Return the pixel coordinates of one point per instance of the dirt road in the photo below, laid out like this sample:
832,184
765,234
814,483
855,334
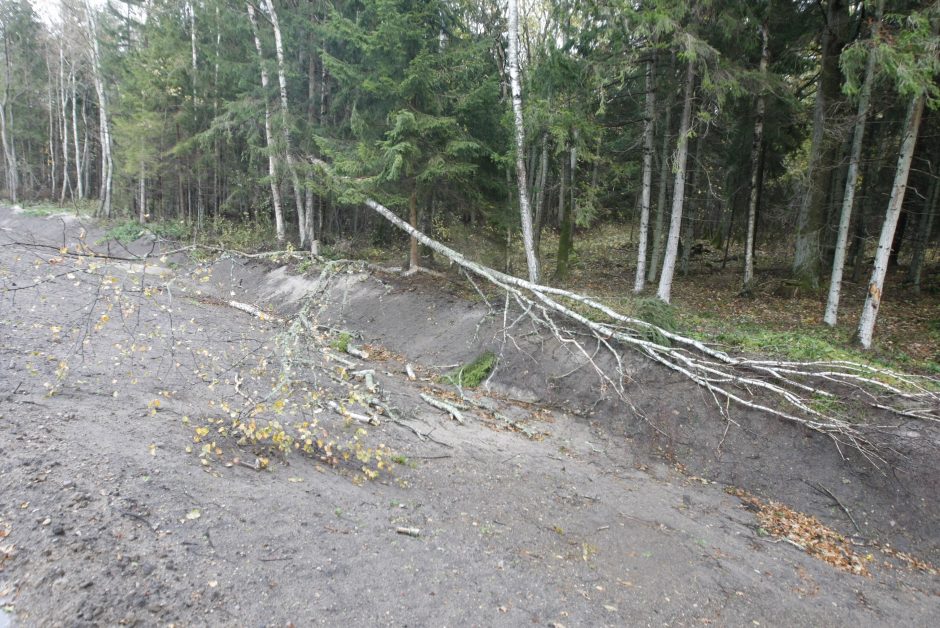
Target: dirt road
125,389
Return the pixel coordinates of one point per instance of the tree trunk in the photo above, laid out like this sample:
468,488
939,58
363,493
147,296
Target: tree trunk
924,228
66,183
566,236
640,279
540,198
285,126
107,166
142,194
812,216
748,286
664,292
413,259
689,215
661,201
851,179
866,324
528,240
269,141
6,131
79,183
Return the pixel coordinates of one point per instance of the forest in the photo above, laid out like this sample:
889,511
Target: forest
469,312
788,135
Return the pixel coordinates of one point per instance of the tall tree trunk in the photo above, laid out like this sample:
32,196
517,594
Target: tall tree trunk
540,198
79,182
269,140
6,129
52,92
866,325
755,165
107,166
566,236
664,292
414,260
640,279
66,183
851,179
693,208
142,194
285,122
812,216
924,228
197,167
525,213
661,200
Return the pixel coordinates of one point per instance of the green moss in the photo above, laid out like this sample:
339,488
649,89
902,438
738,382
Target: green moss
473,374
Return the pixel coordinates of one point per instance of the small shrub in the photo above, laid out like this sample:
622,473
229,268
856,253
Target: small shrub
475,373
170,230
125,232
656,312
342,342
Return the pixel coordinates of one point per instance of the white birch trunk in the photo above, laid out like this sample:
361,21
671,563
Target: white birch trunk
104,130
678,196
851,179
755,166
528,241
285,128
272,157
866,325
646,195
52,90
66,183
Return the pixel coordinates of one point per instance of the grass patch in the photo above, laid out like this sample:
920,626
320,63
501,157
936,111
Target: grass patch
795,345
473,374
124,232
44,210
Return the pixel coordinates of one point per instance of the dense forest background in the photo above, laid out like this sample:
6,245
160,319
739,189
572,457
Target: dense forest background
805,132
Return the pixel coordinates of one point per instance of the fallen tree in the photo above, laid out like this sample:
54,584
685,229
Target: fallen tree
788,390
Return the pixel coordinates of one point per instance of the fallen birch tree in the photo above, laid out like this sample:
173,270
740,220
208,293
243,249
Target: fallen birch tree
787,390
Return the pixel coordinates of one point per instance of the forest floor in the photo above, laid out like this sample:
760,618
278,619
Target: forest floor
149,477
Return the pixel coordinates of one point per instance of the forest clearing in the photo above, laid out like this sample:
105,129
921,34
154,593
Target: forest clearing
474,312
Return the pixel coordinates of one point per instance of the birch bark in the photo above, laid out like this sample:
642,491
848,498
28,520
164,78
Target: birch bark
285,127
851,179
866,325
646,194
664,292
755,166
272,157
528,241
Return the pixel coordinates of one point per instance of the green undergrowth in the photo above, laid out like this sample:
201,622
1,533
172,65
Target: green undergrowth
474,373
45,209
806,345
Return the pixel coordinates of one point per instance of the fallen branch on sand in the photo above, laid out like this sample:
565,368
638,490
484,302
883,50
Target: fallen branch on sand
780,388
444,407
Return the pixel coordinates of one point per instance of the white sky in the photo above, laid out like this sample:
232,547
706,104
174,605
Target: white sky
48,10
